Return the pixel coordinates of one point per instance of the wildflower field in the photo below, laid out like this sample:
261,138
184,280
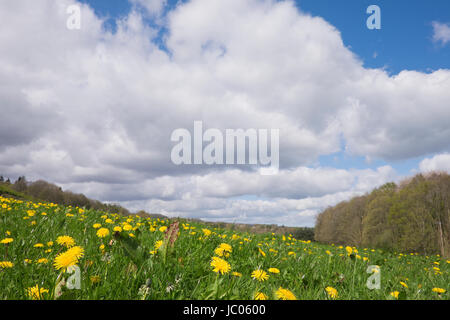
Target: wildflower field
45,249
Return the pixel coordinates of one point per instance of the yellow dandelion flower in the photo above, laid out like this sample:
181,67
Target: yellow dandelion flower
206,232
332,292
42,261
260,275
95,279
158,244
220,265
102,232
403,284
349,250
117,229
65,241
38,245
97,225
260,296
68,258
438,290
127,227
274,270
262,252
6,264
36,293
285,294
395,294
163,229
7,240
236,274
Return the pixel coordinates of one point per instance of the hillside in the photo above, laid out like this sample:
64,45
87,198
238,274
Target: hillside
411,216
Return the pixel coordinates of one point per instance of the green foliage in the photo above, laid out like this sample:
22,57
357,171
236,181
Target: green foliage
413,217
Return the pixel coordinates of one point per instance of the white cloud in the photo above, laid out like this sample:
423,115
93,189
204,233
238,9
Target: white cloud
440,162
94,110
441,32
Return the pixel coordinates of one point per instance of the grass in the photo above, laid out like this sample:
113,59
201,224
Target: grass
130,267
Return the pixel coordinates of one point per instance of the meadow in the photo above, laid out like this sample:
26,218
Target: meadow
46,248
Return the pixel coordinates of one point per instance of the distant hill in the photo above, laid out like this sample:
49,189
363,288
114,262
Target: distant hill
48,192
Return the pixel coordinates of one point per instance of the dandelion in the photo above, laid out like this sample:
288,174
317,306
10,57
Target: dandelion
65,241
262,252
6,264
206,232
236,274
394,294
403,284
38,245
349,250
7,240
102,232
117,229
36,293
163,229
260,296
260,275
224,249
158,244
95,279
274,270
332,292
438,290
42,261
220,265
68,258
285,294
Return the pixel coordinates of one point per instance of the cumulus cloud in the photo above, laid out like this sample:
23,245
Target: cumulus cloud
440,162
441,32
93,110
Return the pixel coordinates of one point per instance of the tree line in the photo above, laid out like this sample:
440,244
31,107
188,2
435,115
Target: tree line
413,216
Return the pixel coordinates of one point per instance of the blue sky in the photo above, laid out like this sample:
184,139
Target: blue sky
404,42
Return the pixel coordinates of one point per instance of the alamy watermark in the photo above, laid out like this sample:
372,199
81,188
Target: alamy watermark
374,281
374,20
235,147
74,20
